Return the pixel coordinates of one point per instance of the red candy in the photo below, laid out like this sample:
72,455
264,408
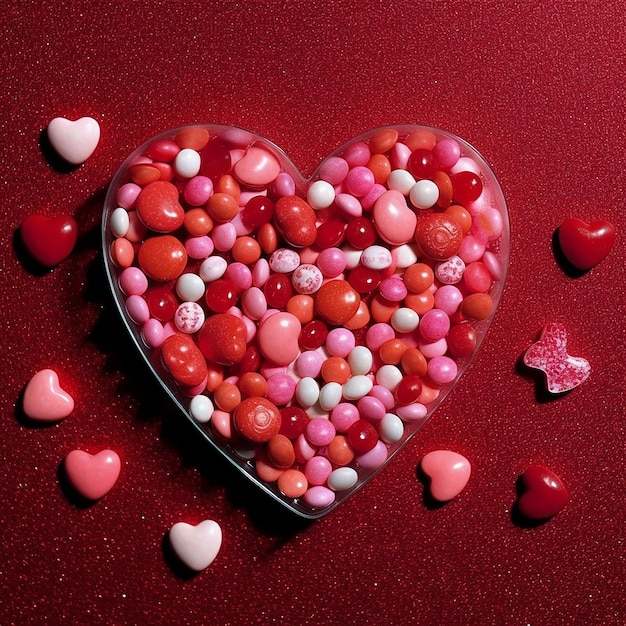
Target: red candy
257,419
49,240
296,221
183,360
438,235
586,245
162,258
222,339
337,302
158,207
544,493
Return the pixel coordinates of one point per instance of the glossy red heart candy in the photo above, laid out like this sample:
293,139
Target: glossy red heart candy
544,493
49,240
585,245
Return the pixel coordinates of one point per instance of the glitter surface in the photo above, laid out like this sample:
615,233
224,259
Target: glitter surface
538,89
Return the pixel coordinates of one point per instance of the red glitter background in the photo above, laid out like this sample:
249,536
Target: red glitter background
539,88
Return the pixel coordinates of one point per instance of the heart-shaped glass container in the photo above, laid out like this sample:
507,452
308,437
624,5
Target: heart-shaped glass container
459,185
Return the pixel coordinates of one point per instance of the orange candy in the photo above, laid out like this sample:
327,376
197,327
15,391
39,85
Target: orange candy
197,222
383,140
162,258
380,166
391,351
246,250
228,184
194,137
302,306
227,396
222,207
382,309
360,319
257,419
339,450
444,184
461,215
293,483
281,452
418,277
420,302
268,238
477,306
252,384
414,362
335,370
423,139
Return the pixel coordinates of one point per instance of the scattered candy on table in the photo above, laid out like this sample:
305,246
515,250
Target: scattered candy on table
44,399
92,476
585,245
49,240
74,141
322,321
562,371
543,493
196,546
448,473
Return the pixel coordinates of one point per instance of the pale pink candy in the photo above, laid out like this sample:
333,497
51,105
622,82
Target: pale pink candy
394,220
563,372
45,400
257,168
448,473
92,476
74,141
451,271
196,546
375,457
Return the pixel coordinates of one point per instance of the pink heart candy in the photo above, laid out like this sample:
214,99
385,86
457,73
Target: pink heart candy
74,141
44,399
563,372
196,546
92,476
448,473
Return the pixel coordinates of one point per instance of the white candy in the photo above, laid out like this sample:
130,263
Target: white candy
376,258
120,222
201,408
356,387
401,180
342,478
360,360
307,391
465,164
187,163
320,195
307,279
190,287
424,194
330,396
189,317
405,255
388,376
284,260
212,268
391,428
404,320
352,255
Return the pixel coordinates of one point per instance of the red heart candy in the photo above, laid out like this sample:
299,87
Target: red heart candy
49,240
585,245
544,493
93,476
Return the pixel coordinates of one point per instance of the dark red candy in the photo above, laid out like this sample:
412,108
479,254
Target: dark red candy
544,493
330,234
585,245
466,187
361,232
362,436
49,240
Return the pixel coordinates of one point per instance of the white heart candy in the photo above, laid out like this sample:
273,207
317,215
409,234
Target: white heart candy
196,546
74,141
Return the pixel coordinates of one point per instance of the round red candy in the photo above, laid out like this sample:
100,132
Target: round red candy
438,235
337,302
162,258
362,436
257,419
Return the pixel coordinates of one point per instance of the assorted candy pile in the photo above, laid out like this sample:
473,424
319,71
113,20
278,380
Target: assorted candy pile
310,326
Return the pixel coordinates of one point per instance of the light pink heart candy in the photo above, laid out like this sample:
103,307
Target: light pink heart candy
448,473
196,546
93,476
44,400
75,141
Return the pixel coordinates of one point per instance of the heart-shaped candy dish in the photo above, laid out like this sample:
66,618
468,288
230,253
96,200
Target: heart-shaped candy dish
307,328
